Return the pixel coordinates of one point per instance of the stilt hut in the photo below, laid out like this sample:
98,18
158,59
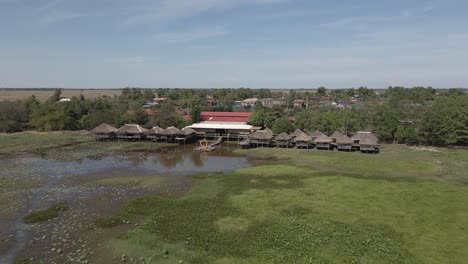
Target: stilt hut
261,138
335,135
153,133
104,131
323,142
131,132
343,143
187,135
303,141
283,140
368,143
169,134
362,135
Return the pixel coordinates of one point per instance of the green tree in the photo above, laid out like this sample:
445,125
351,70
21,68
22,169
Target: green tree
321,91
282,125
257,118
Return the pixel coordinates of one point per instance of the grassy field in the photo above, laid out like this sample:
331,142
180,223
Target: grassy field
402,206
42,95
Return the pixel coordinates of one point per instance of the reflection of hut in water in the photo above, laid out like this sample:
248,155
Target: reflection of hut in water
302,140
366,142
186,135
130,132
283,140
261,138
323,142
153,133
104,131
169,134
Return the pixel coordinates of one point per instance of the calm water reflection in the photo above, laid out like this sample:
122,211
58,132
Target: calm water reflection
176,161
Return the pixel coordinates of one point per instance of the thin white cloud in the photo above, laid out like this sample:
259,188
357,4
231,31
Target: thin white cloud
190,35
167,10
59,16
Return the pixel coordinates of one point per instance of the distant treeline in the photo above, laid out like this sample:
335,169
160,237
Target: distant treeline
406,115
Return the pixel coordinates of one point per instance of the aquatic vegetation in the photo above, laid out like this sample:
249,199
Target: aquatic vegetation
44,215
267,215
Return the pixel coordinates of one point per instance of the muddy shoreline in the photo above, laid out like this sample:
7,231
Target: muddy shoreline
92,187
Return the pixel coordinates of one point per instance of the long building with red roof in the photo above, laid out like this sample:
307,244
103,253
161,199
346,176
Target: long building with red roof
231,125
236,117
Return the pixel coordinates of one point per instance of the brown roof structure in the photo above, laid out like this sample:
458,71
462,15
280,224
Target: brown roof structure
323,139
316,134
283,137
336,135
368,141
153,131
344,140
265,134
188,131
131,129
171,131
361,135
303,137
297,133
104,129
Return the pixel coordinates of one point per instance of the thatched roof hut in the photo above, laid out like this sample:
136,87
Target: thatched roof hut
104,129
316,134
343,140
171,131
323,139
368,141
153,131
359,136
303,137
131,129
265,134
297,133
336,135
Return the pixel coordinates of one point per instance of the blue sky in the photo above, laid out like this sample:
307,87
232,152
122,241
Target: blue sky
233,43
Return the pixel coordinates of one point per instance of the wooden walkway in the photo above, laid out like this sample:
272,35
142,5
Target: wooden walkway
206,146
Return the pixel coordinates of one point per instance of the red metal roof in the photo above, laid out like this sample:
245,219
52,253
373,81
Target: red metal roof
225,116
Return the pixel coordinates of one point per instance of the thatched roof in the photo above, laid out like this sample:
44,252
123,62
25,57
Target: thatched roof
316,134
343,139
265,134
303,137
297,133
153,131
268,131
336,135
323,139
359,136
171,131
188,131
368,142
283,137
131,129
104,129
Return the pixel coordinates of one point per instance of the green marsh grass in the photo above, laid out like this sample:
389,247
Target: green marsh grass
386,208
